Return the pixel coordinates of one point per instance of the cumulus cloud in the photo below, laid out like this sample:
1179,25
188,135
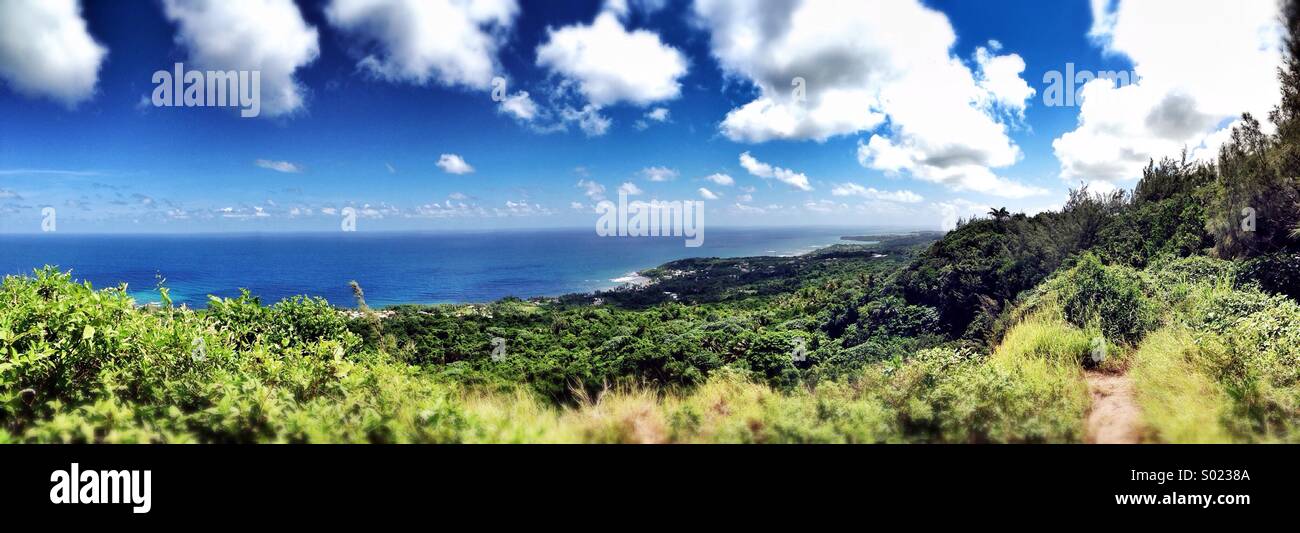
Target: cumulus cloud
766,171
957,209
1199,63
266,35
610,64
629,189
707,194
721,179
658,114
959,170
521,209
279,166
588,119
520,106
593,190
453,42
824,68
658,173
871,193
46,50
999,76
454,164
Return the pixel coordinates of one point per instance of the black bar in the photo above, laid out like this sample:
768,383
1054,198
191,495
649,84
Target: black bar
302,484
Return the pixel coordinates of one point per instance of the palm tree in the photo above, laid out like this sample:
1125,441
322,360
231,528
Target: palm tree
1000,214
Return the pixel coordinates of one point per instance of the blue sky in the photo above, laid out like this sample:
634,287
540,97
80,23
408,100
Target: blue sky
900,125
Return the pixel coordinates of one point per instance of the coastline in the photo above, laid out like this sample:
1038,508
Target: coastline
397,269
637,279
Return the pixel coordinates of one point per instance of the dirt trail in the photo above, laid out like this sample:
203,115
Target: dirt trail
1115,417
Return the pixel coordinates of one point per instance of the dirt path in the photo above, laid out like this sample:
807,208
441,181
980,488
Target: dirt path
1115,417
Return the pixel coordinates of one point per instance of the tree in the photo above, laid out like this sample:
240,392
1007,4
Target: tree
1256,200
1000,214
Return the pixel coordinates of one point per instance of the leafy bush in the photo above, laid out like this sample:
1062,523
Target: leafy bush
1276,273
1114,298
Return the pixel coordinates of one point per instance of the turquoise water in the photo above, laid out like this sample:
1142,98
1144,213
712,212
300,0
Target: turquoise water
393,268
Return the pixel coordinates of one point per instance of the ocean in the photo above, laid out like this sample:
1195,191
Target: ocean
392,268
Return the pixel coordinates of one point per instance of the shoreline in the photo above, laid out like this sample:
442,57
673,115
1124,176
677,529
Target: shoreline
630,280
637,280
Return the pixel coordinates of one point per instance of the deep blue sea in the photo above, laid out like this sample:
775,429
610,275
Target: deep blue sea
393,268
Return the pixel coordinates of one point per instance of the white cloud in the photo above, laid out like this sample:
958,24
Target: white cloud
279,166
952,211
588,119
766,171
1200,64
999,76
454,164
629,189
610,64
521,209
520,106
623,8
871,193
46,50
448,209
824,206
863,63
593,190
454,42
658,114
707,194
958,173
266,35
721,179
658,173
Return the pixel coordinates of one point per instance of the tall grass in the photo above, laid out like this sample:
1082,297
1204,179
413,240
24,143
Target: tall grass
1181,402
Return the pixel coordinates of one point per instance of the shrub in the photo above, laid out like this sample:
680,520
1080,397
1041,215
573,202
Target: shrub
1112,297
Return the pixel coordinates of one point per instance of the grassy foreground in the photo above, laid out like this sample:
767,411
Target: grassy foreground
1212,362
